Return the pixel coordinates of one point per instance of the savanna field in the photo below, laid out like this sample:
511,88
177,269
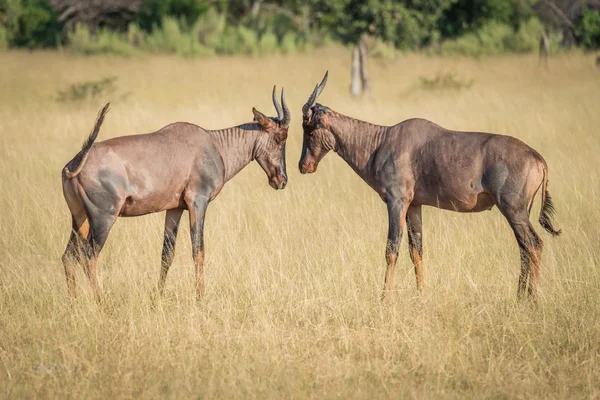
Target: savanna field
294,277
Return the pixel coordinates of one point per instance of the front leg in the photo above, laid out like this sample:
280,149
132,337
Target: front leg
396,216
197,213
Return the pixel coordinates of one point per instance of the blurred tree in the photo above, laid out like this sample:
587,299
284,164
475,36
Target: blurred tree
587,29
30,23
564,15
470,15
152,12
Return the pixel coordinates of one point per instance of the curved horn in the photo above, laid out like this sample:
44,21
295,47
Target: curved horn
287,116
315,94
277,105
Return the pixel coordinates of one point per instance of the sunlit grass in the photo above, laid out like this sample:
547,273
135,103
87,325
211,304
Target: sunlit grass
294,277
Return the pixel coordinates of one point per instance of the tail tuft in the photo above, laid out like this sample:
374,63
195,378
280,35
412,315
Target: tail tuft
87,145
547,213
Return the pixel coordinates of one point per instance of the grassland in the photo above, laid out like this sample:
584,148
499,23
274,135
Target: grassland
293,277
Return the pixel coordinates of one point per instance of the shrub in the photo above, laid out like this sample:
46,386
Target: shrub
383,50
248,41
136,37
496,38
588,29
229,42
445,81
31,23
3,37
209,27
104,42
268,43
87,90
465,45
288,43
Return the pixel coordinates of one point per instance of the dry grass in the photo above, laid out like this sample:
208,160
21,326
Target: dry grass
293,277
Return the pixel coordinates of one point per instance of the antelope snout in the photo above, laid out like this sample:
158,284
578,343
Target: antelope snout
307,167
278,182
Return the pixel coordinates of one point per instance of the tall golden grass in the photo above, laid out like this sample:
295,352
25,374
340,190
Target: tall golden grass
293,277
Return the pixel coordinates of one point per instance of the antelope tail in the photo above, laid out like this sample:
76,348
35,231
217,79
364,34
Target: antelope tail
548,209
87,145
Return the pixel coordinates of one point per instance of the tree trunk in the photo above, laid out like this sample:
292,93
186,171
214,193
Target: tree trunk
364,76
355,86
544,49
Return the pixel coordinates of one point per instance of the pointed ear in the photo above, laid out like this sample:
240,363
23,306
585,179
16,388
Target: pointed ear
262,119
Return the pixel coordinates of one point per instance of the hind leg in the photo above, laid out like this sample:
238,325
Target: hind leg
415,243
73,253
100,225
70,259
530,248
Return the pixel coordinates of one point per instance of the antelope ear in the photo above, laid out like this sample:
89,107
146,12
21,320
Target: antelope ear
262,119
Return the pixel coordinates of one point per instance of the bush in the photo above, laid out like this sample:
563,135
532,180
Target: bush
209,28
3,37
136,37
104,42
288,43
248,41
383,50
268,43
31,23
588,29
229,42
87,90
496,38
445,81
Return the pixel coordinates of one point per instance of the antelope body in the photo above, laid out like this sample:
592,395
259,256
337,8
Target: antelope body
418,163
180,167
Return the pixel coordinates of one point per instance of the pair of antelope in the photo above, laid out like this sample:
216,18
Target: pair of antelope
412,164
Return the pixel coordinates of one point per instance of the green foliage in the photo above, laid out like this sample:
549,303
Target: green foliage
136,37
229,42
209,28
406,23
153,12
588,29
495,38
289,43
467,16
205,27
268,43
248,39
3,37
103,42
31,23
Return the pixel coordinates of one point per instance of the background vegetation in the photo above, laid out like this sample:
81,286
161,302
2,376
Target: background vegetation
293,277
207,27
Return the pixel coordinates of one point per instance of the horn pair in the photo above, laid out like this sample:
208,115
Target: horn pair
283,112
313,97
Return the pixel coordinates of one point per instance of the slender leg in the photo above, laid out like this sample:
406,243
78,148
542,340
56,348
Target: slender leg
99,228
530,248
70,259
73,253
415,242
397,217
197,214
537,246
168,251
